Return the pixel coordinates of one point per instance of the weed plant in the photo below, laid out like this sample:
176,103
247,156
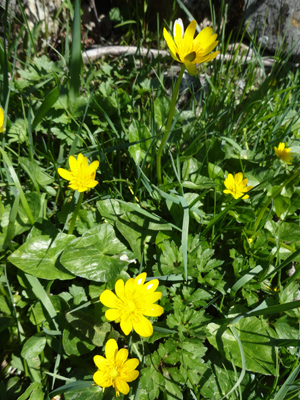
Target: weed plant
227,267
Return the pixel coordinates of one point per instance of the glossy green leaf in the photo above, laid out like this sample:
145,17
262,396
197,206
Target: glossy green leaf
39,256
255,336
75,343
89,326
33,346
96,255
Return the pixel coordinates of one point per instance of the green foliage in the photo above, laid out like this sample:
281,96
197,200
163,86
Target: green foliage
228,269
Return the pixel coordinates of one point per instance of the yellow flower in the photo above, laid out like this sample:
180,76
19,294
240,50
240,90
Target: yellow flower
283,154
1,120
134,300
189,51
82,175
115,370
237,186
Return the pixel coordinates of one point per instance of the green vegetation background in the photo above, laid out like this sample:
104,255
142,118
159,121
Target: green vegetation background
228,269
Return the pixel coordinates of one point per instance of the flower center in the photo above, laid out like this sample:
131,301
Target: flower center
191,56
131,306
114,373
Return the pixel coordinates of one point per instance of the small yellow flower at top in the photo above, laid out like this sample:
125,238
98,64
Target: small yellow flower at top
237,186
81,174
132,301
283,153
2,117
115,370
189,51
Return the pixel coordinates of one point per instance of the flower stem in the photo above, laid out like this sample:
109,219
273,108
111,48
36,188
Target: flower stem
169,123
75,212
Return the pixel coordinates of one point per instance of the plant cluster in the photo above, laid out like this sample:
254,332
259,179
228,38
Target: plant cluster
115,198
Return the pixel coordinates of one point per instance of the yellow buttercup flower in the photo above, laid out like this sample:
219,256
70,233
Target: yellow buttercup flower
283,153
115,370
82,175
189,51
1,120
237,186
132,301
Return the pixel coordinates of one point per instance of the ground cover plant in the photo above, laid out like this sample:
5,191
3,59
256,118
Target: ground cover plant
149,229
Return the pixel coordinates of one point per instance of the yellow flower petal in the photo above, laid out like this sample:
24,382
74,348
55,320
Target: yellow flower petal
119,288
91,184
131,364
190,32
111,350
73,163
81,188
169,41
238,177
207,58
113,314
150,286
122,356
140,279
126,325
152,297
1,117
85,166
181,27
74,186
131,376
65,174
143,327
80,158
100,362
205,35
101,379
122,386
129,287
153,311
93,167
109,299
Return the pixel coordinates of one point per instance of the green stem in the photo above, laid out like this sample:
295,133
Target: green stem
75,212
275,194
169,123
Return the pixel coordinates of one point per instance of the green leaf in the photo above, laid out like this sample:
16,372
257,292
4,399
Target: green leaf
91,393
96,255
33,346
36,172
32,388
75,343
48,102
77,386
255,336
38,394
138,132
90,327
39,256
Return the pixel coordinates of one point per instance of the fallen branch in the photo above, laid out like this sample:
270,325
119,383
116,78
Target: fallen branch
96,53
